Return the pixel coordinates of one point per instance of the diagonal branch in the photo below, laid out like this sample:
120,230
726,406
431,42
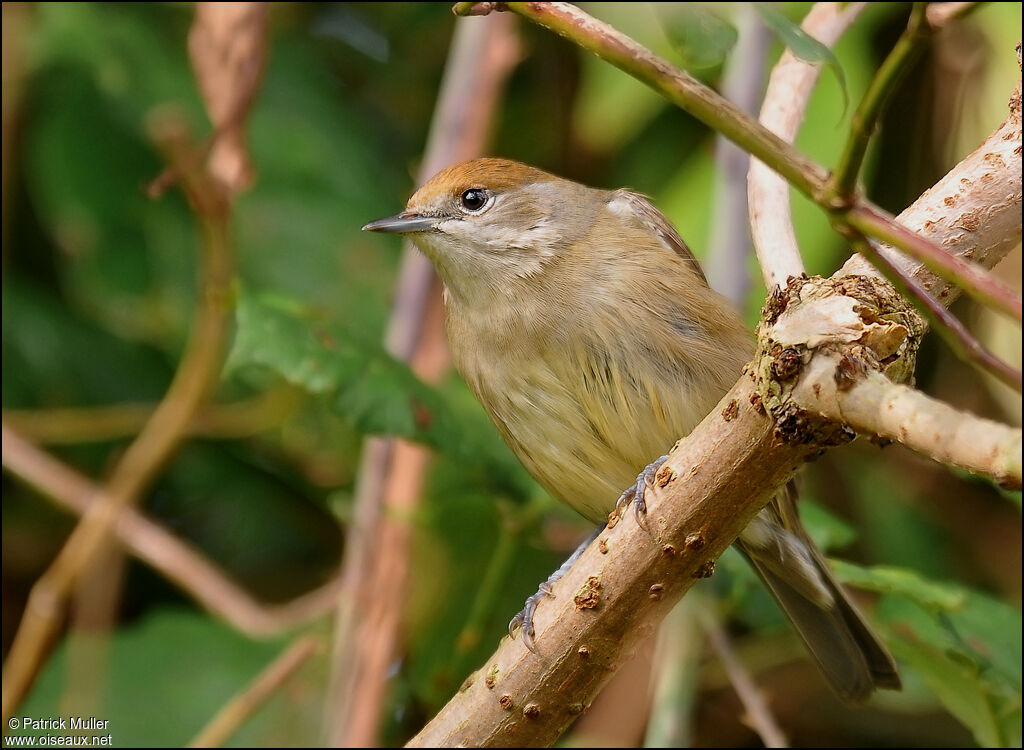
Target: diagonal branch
908,48
713,483
875,405
161,550
194,379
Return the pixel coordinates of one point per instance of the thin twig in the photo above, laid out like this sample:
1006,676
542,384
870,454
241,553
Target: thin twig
145,457
89,424
907,49
683,90
676,85
972,213
165,553
785,102
759,716
236,711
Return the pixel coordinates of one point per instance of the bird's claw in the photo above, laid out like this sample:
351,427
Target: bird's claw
524,620
636,494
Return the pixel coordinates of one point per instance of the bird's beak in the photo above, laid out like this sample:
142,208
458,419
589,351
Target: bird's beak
401,224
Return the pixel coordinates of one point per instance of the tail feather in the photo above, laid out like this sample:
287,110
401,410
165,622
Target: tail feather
849,653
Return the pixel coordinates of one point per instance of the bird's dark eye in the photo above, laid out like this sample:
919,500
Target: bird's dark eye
474,199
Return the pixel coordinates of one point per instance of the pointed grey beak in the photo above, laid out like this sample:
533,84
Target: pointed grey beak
401,224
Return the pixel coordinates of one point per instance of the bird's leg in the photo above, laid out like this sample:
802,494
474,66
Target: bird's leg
635,494
524,620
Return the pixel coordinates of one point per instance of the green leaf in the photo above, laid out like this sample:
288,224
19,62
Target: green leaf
165,678
970,659
378,394
700,37
801,44
966,645
370,389
901,581
827,530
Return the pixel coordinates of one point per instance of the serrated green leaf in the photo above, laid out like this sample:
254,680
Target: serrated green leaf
701,38
801,44
378,394
370,389
901,581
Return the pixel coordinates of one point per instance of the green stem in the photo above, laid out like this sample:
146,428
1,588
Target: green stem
680,88
908,47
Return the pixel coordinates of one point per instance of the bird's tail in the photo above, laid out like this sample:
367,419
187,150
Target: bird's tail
849,653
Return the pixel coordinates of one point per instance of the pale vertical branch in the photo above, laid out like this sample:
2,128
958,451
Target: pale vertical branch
742,84
679,650
392,471
785,101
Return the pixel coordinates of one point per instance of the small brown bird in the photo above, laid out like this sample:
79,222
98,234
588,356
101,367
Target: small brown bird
586,328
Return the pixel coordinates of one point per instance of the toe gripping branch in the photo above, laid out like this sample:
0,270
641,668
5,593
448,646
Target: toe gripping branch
634,496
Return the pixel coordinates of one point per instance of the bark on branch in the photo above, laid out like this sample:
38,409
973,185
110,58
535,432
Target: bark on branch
717,478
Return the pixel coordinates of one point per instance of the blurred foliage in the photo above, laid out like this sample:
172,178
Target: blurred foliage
98,287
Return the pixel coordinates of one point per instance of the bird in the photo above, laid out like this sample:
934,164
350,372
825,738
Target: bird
586,328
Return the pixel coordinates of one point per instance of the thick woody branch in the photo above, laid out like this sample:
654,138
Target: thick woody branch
715,480
973,213
960,340
970,277
624,584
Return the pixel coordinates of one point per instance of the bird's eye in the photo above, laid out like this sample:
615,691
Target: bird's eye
474,200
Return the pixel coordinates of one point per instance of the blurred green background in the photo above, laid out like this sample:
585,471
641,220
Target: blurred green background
98,290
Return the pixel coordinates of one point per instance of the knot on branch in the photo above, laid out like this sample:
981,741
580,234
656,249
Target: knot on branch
850,324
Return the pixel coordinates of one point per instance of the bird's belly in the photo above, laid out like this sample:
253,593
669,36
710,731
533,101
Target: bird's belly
583,439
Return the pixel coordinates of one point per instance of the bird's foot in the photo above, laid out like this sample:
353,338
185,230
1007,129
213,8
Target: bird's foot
635,495
524,620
